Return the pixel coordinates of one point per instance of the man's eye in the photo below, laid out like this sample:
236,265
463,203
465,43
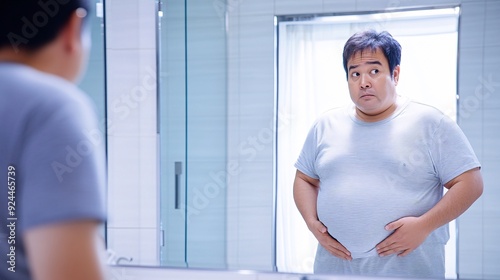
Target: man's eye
355,74
374,71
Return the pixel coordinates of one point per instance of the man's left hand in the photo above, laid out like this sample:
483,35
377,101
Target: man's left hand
408,234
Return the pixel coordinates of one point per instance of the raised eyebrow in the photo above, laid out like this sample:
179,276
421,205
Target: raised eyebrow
374,62
368,62
352,67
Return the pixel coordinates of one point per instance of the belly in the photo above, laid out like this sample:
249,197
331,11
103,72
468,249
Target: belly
356,214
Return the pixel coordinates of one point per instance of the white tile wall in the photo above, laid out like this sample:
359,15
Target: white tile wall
132,154
491,269
249,186
124,208
123,77
256,139
471,93
289,7
125,242
490,199
148,246
490,81
254,223
492,23
490,134
146,11
254,34
366,5
252,8
338,6
122,15
147,186
472,23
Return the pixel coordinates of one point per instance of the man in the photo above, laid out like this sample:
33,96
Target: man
52,165
370,177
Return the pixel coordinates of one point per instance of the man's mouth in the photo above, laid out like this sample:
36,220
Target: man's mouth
366,95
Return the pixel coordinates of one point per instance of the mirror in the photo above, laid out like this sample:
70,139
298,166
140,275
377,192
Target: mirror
218,123
309,62
93,81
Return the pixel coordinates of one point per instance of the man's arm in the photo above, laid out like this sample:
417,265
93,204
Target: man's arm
305,193
410,232
62,251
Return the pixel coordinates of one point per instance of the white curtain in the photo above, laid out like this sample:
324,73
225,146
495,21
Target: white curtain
308,86
311,80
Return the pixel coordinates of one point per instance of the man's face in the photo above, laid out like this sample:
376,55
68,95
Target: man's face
371,86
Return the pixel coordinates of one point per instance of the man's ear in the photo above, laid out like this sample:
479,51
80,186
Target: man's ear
395,74
71,33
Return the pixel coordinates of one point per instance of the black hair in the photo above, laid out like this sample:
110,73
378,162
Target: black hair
30,24
372,40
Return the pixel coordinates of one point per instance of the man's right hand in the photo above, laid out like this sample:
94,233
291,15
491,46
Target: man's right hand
328,242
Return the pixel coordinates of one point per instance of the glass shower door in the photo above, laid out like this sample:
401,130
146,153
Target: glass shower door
172,132
192,134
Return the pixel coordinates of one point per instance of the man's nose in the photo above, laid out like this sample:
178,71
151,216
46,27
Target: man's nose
365,82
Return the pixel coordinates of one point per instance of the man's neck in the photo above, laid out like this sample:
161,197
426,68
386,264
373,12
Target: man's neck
379,116
44,59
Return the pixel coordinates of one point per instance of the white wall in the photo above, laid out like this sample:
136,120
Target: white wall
131,121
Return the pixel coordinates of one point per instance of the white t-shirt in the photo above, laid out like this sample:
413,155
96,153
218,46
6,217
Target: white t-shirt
374,173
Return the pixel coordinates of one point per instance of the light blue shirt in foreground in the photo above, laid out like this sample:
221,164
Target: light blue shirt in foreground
50,141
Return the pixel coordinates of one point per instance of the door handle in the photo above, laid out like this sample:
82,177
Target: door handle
178,173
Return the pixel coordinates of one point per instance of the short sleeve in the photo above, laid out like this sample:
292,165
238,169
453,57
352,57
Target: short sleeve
62,164
307,157
451,151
